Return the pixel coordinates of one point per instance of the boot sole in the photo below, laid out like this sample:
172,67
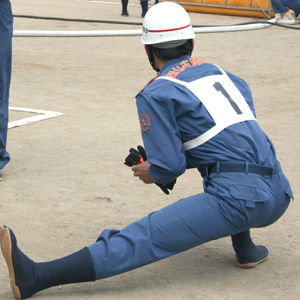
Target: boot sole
6,249
252,265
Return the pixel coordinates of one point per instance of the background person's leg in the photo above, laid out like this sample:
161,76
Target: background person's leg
6,30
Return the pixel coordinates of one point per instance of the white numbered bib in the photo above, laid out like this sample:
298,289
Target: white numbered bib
224,102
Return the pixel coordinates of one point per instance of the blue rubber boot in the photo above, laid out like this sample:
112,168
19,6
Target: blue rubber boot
247,253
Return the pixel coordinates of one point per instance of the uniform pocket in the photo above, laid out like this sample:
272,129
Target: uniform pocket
249,194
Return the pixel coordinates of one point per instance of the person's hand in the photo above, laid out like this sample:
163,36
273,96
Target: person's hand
137,159
141,171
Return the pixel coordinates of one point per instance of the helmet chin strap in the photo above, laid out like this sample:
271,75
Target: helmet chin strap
151,59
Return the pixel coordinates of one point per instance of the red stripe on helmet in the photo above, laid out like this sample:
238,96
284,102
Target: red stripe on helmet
165,30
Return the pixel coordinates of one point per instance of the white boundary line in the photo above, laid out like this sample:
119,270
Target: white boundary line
43,114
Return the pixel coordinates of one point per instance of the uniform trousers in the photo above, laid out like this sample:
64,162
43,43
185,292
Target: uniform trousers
231,203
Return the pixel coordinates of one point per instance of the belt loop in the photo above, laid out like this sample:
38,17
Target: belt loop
273,172
247,167
278,166
218,167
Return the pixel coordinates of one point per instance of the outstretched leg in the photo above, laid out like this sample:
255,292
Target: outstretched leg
247,253
28,277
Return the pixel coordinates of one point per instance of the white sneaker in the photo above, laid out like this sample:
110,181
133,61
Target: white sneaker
287,19
276,19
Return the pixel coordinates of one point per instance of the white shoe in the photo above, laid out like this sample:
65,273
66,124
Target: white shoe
276,19
286,22
287,19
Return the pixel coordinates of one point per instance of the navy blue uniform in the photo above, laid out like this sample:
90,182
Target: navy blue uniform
6,31
196,115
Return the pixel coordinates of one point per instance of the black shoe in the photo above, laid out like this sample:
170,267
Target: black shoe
124,13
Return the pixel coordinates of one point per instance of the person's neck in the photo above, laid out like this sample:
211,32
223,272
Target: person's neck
159,63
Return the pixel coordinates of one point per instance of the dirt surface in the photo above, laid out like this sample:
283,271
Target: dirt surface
66,181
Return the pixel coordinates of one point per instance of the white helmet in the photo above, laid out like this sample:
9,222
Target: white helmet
166,25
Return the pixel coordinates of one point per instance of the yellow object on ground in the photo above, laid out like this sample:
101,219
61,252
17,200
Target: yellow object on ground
245,8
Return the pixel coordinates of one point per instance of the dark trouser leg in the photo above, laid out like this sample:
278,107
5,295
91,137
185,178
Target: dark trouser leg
6,30
144,5
124,8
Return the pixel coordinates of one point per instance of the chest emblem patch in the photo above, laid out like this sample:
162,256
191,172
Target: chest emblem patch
145,122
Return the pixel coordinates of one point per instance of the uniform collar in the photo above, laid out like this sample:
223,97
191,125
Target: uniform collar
171,63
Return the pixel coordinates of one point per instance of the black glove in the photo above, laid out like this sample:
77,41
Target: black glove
139,156
166,188
135,157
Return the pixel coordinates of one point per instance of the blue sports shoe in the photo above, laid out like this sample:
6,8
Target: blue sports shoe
25,278
28,277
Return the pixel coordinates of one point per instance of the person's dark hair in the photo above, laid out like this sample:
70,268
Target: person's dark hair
175,52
